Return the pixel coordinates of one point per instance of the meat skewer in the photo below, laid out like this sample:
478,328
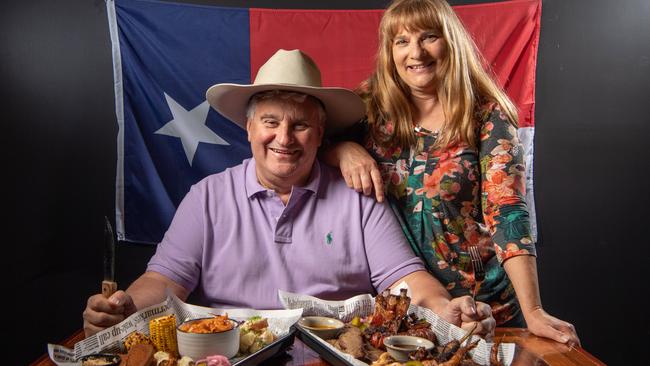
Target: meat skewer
451,348
456,359
494,354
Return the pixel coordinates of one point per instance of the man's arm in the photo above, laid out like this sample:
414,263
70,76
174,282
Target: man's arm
428,292
150,289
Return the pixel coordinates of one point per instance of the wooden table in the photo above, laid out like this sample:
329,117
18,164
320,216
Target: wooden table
531,350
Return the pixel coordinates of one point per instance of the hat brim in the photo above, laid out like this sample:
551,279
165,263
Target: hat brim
342,106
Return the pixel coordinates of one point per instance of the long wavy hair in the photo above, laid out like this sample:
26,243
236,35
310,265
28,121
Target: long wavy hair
464,84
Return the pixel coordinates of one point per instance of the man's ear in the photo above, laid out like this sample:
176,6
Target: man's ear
248,128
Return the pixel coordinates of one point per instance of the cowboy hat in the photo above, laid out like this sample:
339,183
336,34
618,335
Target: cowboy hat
291,71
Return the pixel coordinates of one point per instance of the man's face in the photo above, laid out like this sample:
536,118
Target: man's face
285,134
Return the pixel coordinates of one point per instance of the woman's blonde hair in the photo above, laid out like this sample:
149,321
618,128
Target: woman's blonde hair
463,86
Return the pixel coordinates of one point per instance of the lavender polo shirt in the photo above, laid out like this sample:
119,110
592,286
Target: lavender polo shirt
236,244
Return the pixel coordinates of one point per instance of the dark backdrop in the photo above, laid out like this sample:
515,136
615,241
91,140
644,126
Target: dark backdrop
593,94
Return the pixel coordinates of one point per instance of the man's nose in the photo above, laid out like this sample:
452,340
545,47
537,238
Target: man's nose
284,135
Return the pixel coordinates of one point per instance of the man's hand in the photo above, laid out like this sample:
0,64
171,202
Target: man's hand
465,313
101,312
542,324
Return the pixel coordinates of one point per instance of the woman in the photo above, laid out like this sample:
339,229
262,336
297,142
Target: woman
445,137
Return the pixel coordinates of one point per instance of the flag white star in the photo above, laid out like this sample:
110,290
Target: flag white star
189,126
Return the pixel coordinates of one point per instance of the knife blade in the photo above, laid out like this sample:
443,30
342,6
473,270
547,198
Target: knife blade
109,286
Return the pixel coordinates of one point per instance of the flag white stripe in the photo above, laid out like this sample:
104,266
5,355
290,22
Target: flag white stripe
119,112
527,137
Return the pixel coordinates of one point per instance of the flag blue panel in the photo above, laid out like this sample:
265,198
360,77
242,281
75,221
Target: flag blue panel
170,54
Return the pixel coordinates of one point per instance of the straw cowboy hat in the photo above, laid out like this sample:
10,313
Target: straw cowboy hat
291,71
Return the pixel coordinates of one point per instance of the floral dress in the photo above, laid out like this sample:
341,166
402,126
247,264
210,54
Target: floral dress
447,199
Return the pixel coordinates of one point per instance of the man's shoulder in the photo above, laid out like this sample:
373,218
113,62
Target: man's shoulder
235,174
331,178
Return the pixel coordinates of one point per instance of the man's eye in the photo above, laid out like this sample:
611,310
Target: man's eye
301,126
270,122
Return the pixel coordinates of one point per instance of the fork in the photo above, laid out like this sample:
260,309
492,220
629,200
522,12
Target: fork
477,265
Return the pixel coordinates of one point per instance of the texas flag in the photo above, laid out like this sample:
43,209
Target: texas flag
166,55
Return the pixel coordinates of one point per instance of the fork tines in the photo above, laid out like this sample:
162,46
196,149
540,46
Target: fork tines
477,263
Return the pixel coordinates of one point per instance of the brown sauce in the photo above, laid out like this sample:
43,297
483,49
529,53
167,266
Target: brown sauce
318,326
409,347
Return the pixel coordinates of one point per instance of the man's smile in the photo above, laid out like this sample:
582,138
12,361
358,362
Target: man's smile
283,151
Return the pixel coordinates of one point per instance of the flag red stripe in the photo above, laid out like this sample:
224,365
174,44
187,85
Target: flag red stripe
344,43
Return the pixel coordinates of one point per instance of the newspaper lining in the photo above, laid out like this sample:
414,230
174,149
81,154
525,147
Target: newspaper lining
110,340
363,305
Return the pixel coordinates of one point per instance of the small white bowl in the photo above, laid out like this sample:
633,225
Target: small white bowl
322,326
399,346
200,345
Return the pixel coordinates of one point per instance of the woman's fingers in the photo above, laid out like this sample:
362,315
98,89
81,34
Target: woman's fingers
357,182
367,183
348,180
365,178
564,333
570,330
378,184
557,335
545,325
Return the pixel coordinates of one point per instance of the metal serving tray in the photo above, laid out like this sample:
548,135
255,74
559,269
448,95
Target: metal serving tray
327,354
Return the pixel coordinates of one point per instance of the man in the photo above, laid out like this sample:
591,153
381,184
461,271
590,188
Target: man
281,220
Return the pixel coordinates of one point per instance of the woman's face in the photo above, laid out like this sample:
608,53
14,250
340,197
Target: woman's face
418,56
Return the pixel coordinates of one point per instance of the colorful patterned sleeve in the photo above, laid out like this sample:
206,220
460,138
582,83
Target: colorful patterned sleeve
503,186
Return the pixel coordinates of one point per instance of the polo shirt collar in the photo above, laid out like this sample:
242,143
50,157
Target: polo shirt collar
254,187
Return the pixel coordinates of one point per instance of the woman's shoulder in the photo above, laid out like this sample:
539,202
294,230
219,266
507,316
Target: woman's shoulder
494,123
490,111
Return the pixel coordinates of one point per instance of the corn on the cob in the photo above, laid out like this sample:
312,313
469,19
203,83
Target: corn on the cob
162,332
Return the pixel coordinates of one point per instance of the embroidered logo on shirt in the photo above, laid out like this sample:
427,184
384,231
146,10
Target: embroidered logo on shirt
328,238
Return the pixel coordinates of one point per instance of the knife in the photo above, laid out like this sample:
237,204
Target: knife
109,286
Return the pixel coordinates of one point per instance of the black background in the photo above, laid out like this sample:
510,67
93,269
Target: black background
591,162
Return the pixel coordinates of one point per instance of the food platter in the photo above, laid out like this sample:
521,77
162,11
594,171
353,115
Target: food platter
370,323
153,329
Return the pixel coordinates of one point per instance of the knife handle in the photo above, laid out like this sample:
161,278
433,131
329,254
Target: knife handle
108,288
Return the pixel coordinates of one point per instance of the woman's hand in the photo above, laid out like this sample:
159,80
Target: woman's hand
542,324
101,312
522,271
358,168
